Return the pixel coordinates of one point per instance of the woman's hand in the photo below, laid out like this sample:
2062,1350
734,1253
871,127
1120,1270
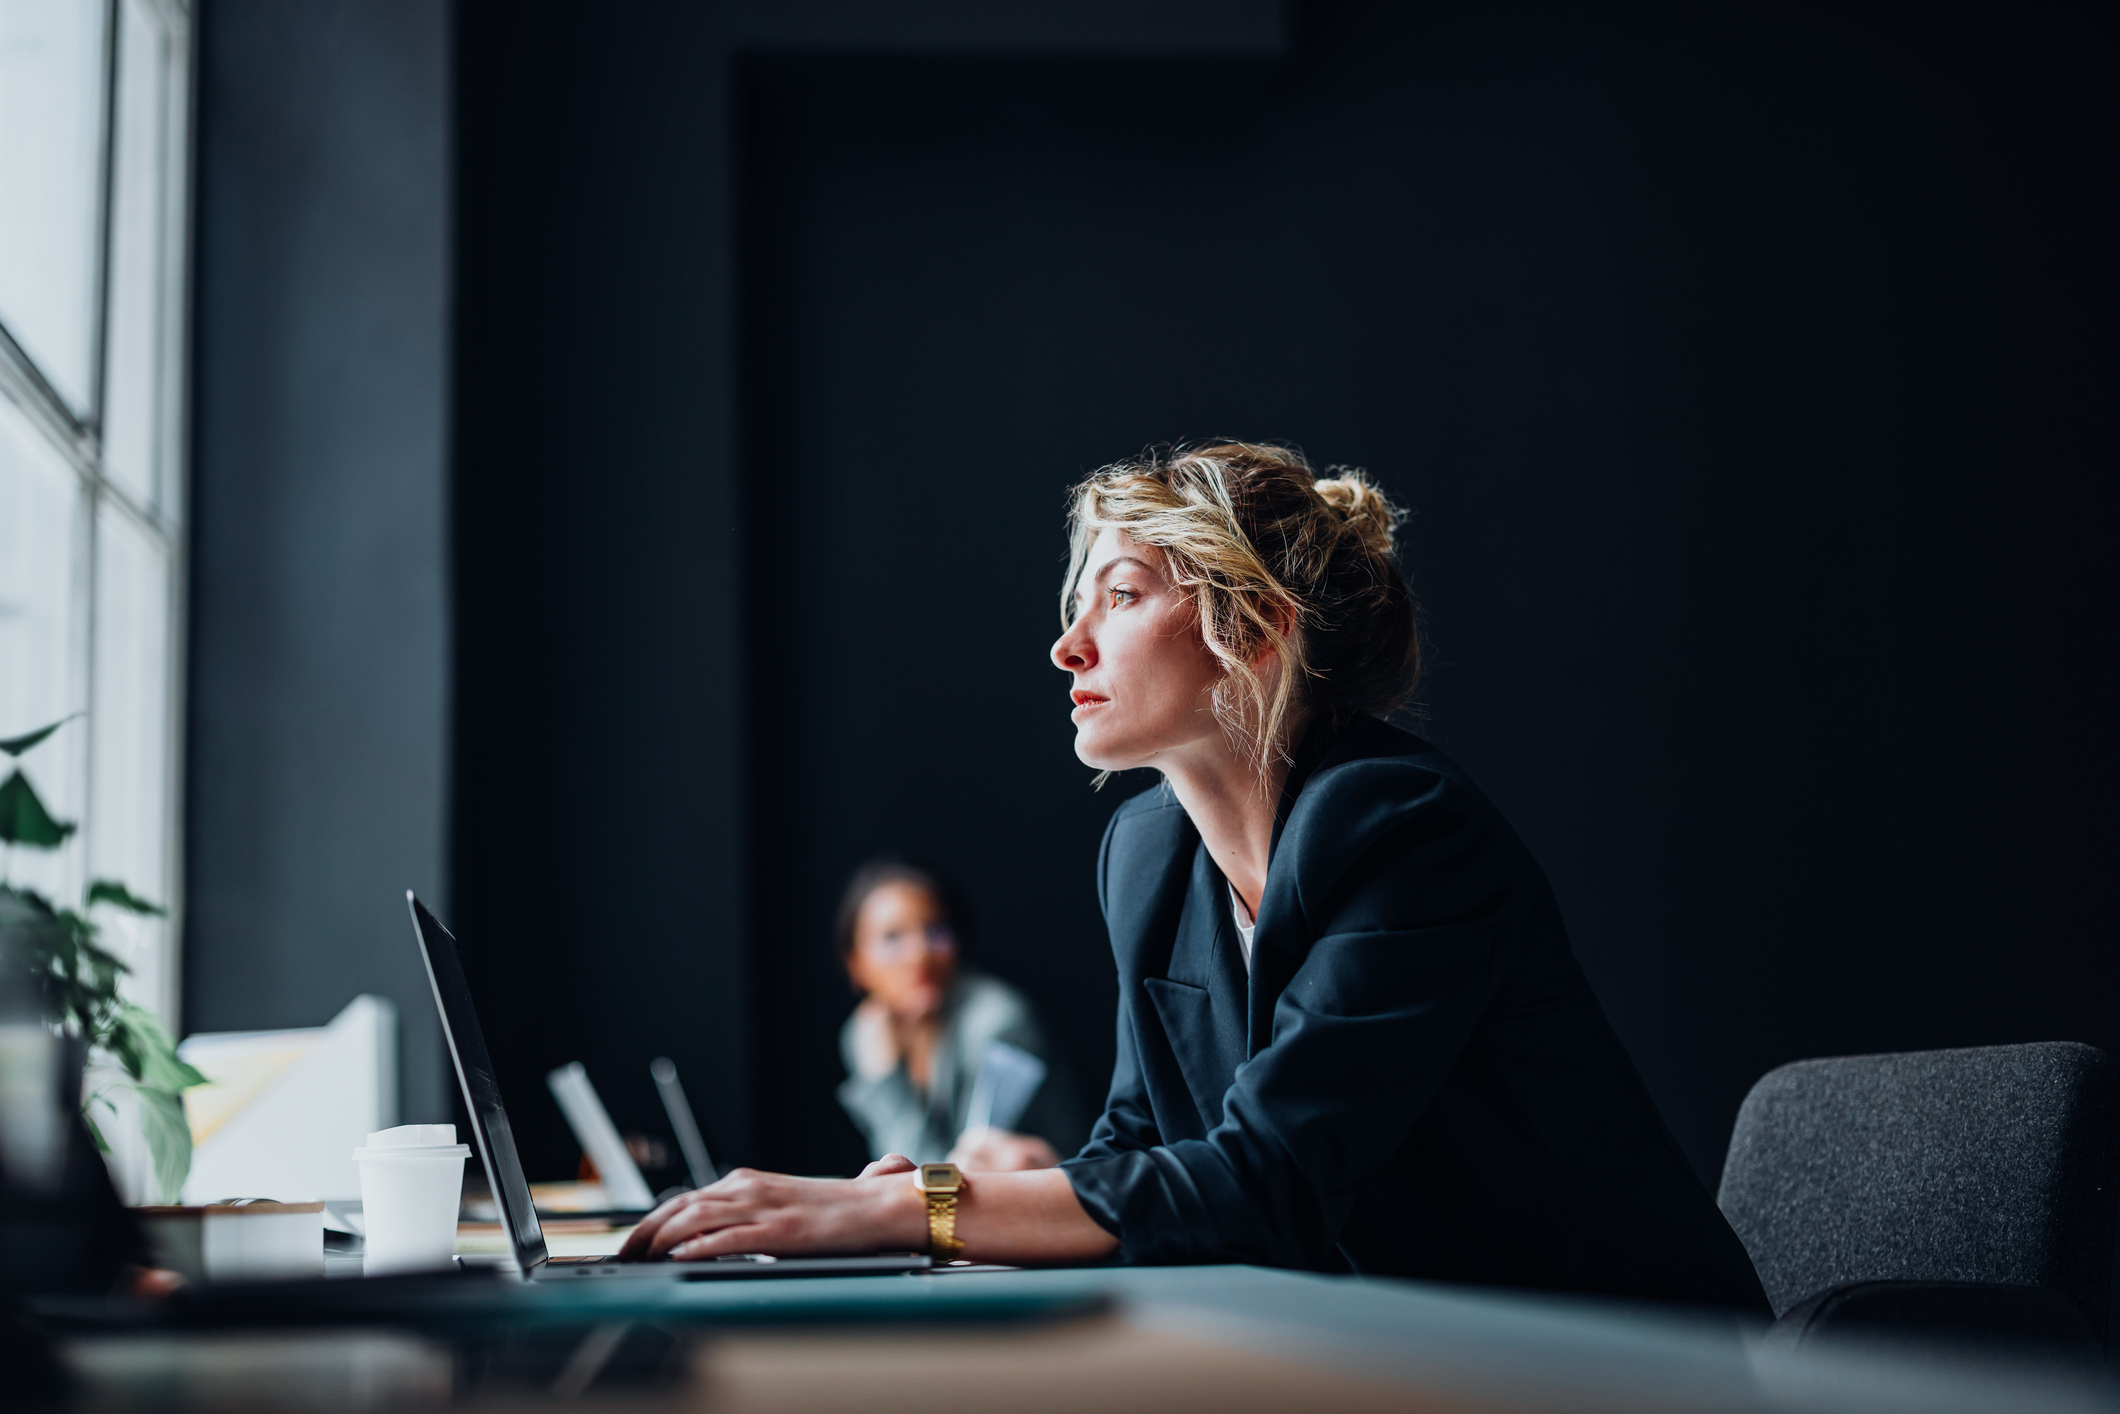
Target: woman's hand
750,1211
148,1283
875,1046
1000,1151
1003,1217
889,1163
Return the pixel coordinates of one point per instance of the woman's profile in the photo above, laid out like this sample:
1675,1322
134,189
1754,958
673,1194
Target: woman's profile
1352,1035
923,1046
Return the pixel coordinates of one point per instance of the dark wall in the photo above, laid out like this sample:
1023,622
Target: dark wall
1738,371
317,766
607,754
598,842
1743,368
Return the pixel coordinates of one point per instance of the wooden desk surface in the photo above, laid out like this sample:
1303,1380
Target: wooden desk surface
1227,1339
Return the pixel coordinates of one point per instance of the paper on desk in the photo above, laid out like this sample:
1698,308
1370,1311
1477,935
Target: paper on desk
1008,1077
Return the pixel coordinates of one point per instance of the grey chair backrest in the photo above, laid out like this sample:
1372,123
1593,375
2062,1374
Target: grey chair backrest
1994,1164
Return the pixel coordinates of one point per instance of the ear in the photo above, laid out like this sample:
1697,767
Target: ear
1281,613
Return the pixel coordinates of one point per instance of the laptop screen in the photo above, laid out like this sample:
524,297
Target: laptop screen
482,1093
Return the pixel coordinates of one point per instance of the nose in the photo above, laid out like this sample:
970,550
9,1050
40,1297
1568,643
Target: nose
1074,652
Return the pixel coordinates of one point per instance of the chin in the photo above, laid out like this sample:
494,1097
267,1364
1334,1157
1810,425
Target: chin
1097,760
1108,755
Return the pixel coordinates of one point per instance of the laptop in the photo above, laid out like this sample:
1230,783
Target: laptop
504,1169
625,1191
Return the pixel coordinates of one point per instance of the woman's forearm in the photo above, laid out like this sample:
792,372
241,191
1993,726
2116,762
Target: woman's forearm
1013,1218
1001,1217
1027,1217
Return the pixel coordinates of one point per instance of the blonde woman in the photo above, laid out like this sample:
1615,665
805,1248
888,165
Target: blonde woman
1352,1035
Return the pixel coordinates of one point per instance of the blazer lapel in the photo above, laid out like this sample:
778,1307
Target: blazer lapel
1144,874
1141,884
1201,1001
1280,942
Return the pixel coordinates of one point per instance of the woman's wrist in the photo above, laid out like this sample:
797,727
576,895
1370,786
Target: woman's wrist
901,1213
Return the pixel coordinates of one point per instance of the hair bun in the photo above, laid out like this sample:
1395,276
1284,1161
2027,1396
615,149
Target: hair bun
1365,509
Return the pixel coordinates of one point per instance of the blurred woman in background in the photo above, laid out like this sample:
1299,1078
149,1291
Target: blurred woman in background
927,1027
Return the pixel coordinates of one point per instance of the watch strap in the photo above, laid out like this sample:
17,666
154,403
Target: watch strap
942,1227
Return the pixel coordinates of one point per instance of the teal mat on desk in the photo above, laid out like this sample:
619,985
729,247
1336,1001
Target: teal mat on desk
440,1303
953,1298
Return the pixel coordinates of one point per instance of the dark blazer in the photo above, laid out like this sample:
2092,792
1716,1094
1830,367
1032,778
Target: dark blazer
1415,1079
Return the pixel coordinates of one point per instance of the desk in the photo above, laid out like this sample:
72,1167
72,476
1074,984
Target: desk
1227,1339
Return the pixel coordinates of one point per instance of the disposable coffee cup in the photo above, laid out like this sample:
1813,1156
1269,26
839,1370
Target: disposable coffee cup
412,1179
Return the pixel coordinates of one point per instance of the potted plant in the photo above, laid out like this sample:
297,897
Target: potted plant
78,979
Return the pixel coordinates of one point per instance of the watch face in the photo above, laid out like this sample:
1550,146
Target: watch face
939,1176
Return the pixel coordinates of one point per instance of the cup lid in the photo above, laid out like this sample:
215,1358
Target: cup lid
420,1151
414,1141
413,1136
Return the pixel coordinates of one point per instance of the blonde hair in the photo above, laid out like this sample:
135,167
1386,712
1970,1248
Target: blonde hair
1277,560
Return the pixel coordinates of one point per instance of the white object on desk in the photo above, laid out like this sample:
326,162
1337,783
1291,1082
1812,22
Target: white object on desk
412,1179
239,1242
593,1130
285,1108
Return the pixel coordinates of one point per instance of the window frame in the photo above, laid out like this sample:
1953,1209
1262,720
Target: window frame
161,513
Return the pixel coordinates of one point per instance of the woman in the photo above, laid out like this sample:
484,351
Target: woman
926,1029
1352,1035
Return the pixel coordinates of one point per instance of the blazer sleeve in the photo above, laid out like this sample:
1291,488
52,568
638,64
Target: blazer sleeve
1408,922
1128,1123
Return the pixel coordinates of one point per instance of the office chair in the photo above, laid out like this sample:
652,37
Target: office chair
1966,1196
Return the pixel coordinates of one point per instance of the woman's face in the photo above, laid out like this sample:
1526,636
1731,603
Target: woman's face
904,952
1144,679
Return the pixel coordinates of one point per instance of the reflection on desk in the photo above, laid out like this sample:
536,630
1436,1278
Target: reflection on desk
1230,1339
564,1237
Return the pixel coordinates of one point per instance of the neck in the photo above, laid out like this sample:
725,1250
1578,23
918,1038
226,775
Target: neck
1232,806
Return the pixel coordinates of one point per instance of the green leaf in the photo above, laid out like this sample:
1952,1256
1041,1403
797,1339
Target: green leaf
16,745
23,818
112,892
168,1138
88,1118
120,1041
148,1039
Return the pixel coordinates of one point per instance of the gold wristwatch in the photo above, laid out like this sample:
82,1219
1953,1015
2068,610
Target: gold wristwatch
942,1183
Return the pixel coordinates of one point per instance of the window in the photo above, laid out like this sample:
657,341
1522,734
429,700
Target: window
95,139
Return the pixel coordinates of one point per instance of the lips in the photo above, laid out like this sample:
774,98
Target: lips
1087,699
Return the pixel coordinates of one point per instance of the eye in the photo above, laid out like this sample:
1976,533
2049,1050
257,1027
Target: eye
1121,596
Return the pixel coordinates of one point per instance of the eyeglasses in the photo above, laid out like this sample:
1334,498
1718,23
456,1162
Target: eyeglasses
903,942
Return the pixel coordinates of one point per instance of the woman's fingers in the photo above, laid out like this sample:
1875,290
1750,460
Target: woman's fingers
723,1242
688,1214
636,1243
889,1163
694,1219
1033,1152
638,1240
750,1211
1001,1151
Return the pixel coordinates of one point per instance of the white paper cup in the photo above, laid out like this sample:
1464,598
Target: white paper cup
412,1179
